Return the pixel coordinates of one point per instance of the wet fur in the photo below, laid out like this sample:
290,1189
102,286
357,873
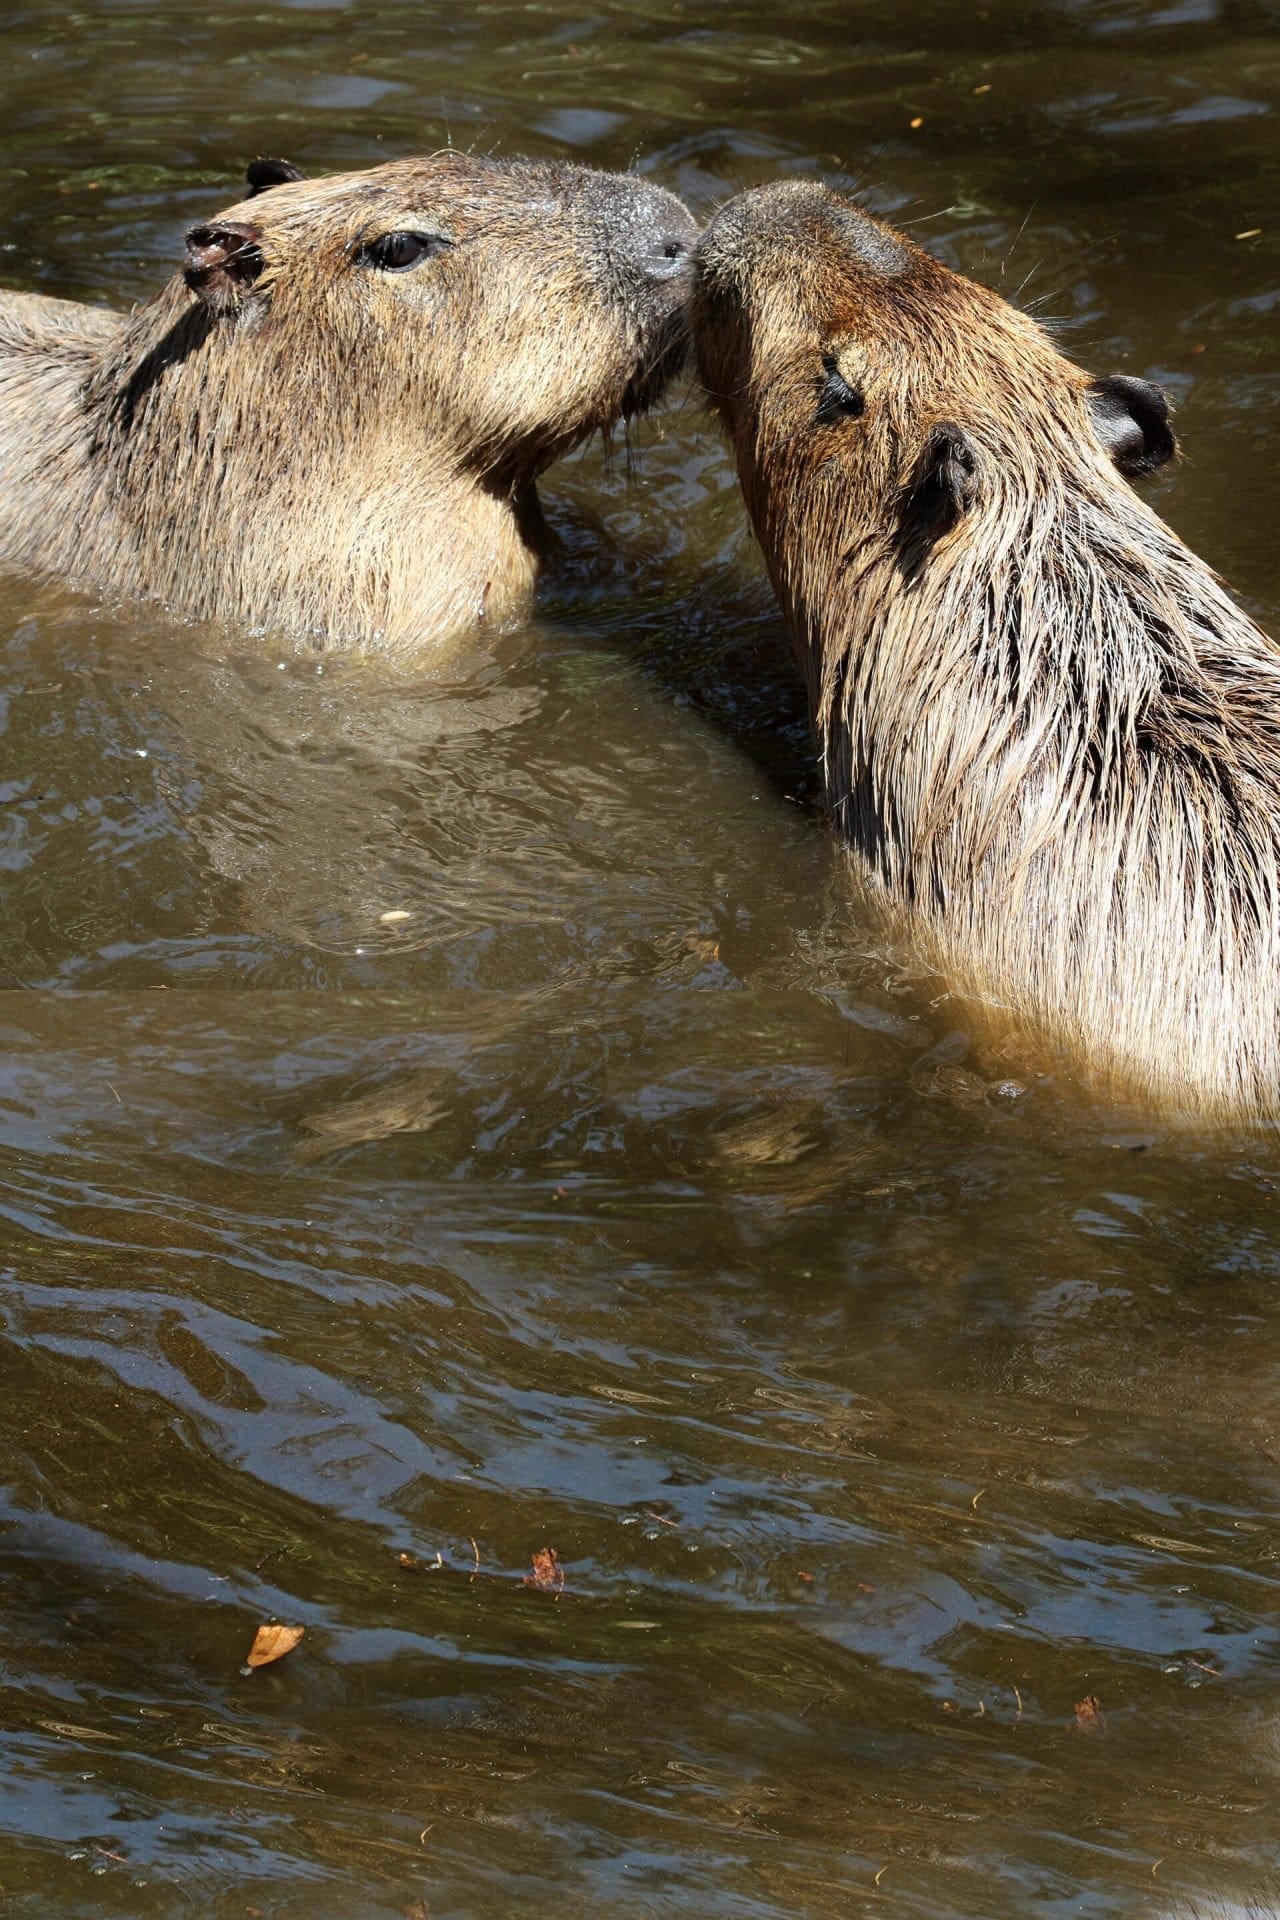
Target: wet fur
312,445
1052,736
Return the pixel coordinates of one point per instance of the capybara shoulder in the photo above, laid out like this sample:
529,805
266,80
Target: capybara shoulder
1050,735
333,417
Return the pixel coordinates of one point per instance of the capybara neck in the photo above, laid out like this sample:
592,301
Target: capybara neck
332,421
1051,736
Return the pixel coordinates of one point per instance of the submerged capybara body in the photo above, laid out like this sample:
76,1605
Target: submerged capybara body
333,418
1050,734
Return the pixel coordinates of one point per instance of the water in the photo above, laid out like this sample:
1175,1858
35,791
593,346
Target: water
620,1196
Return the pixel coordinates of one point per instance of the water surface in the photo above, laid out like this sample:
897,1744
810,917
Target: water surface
884,1399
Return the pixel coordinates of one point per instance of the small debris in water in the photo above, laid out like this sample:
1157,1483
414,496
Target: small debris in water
395,916
1089,1714
918,121
271,1643
1250,233
548,1574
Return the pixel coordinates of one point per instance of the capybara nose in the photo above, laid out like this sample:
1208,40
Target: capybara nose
670,255
648,234
660,237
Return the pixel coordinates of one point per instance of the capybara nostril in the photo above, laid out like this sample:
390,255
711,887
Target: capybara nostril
334,416
671,256
1047,732
648,234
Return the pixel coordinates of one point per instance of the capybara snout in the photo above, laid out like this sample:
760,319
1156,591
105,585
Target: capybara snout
334,415
1048,733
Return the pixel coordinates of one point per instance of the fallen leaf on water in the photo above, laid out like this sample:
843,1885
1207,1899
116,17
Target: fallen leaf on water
1089,1714
272,1643
547,1573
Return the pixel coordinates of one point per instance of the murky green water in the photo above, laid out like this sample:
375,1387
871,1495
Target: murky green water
622,1198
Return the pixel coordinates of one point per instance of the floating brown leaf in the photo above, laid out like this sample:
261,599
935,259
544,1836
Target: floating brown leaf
1089,1714
547,1573
272,1643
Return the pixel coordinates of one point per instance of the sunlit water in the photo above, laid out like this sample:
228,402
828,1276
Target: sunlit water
884,1400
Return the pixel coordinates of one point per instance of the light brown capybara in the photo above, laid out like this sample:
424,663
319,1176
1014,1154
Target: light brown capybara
1051,736
333,418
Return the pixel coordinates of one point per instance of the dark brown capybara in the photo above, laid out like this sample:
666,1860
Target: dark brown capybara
1051,736
333,417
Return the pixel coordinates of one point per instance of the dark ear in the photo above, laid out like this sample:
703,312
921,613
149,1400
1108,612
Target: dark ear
1131,418
941,489
223,261
261,174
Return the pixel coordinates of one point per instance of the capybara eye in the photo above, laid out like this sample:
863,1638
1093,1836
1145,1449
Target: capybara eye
395,252
839,400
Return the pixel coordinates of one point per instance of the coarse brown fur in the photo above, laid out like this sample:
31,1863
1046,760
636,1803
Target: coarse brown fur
297,434
1050,734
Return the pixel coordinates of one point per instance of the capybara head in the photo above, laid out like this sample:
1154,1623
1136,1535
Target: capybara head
868,389
501,310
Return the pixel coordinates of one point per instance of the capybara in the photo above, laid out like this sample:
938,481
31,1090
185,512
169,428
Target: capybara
1051,736
333,417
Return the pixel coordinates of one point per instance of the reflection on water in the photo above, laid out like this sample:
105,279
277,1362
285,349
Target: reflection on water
487,1123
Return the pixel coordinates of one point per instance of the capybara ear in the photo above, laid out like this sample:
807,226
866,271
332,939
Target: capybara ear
943,485
1131,418
261,174
223,260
